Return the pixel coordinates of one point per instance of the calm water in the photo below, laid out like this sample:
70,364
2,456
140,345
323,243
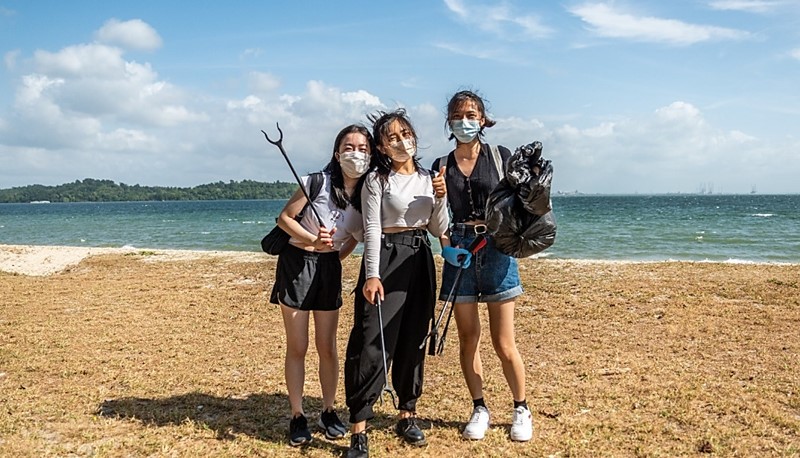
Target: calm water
680,227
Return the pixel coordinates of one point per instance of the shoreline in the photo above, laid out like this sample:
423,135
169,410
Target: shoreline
44,260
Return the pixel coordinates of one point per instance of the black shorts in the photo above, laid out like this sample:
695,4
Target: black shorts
306,280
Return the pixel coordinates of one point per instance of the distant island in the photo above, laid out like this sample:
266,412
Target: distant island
92,190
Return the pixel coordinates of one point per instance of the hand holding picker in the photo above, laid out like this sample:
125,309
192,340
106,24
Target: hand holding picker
473,248
279,144
387,387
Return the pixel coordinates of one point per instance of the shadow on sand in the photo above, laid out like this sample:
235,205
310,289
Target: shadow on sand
261,416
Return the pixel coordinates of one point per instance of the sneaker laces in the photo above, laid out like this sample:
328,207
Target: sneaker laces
359,441
519,415
299,423
477,413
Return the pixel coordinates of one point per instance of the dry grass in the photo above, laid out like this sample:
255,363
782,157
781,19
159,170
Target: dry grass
121,356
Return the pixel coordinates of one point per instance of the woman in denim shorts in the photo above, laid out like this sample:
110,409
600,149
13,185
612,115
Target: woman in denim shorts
473,169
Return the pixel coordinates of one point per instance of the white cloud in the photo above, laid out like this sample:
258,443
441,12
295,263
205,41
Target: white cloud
10,59
260,82
251,53
361,97
86,111
479,51
607,21
795,53
97,82
91,60
673,149
134,34
499,20
751,6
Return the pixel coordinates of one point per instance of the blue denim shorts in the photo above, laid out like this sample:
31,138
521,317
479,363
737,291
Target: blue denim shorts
491,276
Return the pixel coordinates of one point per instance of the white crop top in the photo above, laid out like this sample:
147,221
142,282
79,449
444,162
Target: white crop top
348,222
404,201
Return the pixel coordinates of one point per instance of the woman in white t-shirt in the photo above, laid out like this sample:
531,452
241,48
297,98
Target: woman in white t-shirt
308,277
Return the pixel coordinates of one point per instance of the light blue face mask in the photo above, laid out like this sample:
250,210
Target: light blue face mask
465,130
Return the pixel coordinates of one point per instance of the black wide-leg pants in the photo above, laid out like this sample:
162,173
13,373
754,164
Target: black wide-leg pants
408,275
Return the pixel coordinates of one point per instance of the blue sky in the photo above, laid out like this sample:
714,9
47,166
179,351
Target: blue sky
626,96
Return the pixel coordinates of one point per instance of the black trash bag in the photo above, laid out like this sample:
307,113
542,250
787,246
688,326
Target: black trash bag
516,231
518,211
531,176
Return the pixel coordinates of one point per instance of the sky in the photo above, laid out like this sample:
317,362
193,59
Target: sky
627,97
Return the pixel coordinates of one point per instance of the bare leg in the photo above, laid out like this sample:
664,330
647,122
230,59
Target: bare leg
325,326
469,340
296,324
501,326
358,427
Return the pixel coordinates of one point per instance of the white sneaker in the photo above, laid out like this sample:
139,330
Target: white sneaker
478,424
522,425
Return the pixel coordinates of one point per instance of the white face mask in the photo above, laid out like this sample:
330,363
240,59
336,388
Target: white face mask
403,151
354,163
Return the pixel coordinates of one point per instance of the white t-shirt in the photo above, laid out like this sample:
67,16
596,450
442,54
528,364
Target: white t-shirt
405,201
348,222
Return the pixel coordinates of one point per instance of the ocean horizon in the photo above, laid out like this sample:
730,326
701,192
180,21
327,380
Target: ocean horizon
631,227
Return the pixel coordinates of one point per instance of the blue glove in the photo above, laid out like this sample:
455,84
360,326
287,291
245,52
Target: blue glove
458,257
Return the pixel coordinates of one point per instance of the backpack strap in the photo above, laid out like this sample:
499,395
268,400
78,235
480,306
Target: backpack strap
437,164
316,185
315,181
498,160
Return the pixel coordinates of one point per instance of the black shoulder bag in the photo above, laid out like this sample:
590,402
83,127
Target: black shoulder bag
277,239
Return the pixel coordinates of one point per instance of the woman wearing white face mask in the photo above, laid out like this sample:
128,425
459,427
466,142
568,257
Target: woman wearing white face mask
402,202
473,170
308,278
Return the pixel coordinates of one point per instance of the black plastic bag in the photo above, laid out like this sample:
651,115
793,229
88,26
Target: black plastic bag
518,211
531,175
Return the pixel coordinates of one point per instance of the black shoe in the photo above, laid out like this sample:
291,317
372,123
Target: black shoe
408,428
358,446
298,431
329,423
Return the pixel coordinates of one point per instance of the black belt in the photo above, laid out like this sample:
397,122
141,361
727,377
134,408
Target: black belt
413,238
467,229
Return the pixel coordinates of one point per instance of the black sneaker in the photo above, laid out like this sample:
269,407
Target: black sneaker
329,423
298,431
408,429
358,446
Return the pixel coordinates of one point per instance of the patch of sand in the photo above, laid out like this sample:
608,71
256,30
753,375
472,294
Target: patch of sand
36,260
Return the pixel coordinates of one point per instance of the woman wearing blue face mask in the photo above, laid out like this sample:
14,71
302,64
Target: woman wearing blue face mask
473,169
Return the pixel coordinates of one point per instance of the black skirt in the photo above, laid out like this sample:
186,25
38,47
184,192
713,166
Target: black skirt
306,280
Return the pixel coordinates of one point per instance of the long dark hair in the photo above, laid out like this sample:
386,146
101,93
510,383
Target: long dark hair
381,121
460,98
338,194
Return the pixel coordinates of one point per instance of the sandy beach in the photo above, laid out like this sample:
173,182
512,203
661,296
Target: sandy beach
132,352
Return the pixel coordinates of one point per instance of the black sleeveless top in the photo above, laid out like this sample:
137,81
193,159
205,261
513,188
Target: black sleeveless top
467,196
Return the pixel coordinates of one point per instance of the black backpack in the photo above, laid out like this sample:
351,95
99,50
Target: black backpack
277,239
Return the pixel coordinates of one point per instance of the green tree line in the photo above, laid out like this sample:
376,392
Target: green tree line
92,190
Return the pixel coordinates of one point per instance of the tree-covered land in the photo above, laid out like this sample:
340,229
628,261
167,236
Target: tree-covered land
92,190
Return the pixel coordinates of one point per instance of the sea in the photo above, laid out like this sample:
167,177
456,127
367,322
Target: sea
751,228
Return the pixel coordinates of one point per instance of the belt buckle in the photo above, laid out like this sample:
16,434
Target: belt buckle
416,242
479,229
